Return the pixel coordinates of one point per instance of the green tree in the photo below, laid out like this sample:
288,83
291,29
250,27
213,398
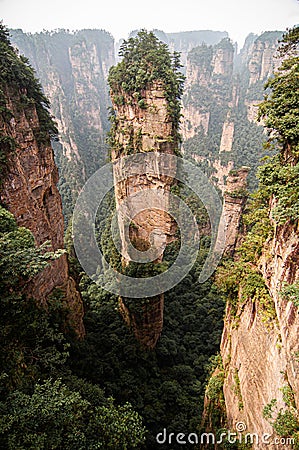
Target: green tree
280,108
55,417
146,60
280,111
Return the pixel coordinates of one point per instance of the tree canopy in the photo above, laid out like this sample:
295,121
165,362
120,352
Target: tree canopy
145,60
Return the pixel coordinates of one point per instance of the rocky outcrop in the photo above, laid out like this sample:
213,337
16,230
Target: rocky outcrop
223,60
259,345
252,110
29,191
192,120
254,368
259,58
208,100
227,136
144,129
261,61
220,102
234,202
279,265
221,173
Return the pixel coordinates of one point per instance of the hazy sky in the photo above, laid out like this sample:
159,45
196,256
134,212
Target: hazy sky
238,17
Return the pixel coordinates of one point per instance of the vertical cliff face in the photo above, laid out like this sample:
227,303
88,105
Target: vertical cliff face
73,69
261,62
259,345
146,119
145,130
222,90
29,186
210,95
259,350
233,206
223,59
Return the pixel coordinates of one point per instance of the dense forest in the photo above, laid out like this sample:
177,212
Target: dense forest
105,390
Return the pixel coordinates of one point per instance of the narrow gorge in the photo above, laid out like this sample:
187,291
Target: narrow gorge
83,367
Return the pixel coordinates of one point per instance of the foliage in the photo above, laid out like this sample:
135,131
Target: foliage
146,60
17,73
215,413
237,389
55,417
166,385
285,421
280,108
30,342
20,259
239,193
33,346
215,371
279,180
290,292
279,176
202,56
240,279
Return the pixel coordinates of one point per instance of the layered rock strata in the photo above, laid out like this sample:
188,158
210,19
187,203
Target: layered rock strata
29,191
143,130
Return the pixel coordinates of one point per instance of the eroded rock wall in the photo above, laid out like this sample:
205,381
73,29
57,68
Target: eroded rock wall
29,191
233,206
145,130
220,102
73,69
259,353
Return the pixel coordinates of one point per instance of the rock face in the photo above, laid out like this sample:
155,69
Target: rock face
145,130
263,354
73,69
254,367
227,136
192,119
222,91
259,345
223,60
208,98
29,191
234,202
261,62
